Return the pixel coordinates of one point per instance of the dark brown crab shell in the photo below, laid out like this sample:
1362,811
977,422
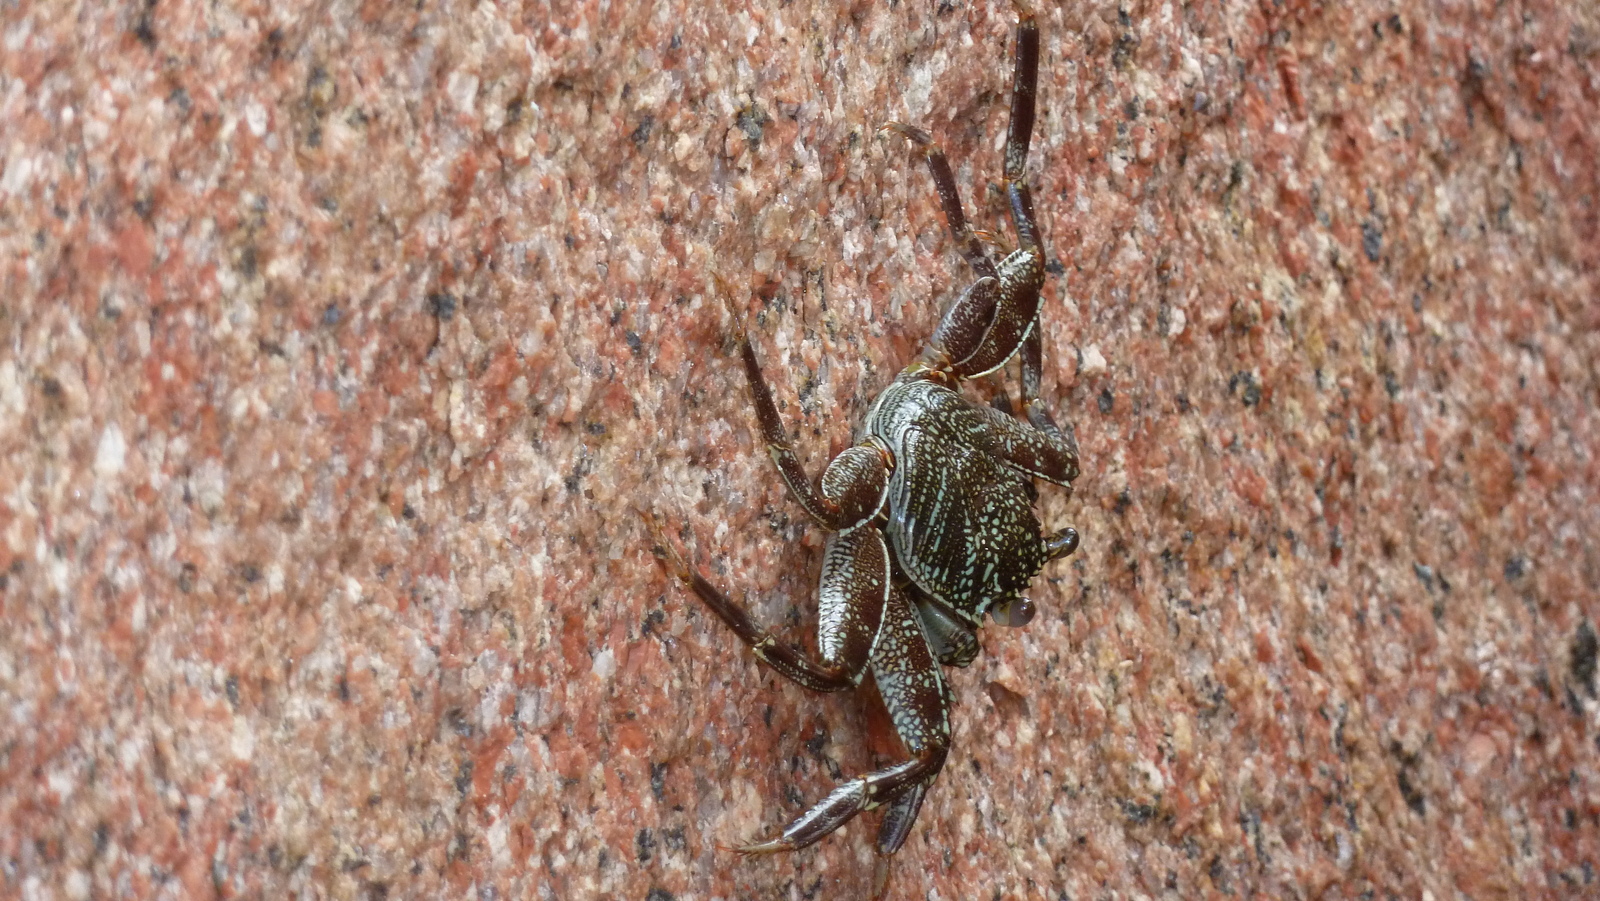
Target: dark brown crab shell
960,518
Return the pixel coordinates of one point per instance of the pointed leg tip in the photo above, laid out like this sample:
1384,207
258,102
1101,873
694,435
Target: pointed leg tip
662,548
658,539
910,132
775,846
738,332
880,877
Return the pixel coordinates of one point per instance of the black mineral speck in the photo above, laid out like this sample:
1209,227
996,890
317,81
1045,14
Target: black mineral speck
1122,53
641,135
816,743
442,305
1424,574
1251,393
673,839
1409,792
752,121
1371,240
1124,501
179,98
658,781
644,844
144,27
1584,650
1107,401
1516,567
1138,813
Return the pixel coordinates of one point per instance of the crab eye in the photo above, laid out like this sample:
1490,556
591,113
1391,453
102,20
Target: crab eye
1014,613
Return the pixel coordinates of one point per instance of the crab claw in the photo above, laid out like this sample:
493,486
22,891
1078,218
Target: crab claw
1014,613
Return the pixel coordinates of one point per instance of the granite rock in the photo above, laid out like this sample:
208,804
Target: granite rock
342,344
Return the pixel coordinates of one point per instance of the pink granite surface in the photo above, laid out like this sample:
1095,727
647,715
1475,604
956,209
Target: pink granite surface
338,341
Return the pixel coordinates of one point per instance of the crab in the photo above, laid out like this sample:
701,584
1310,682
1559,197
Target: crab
930,511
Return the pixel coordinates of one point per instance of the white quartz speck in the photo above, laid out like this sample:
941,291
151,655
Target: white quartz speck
112,452
463,90
13,399
243,742
1177,323
605,664
18,173
255,118
1094,362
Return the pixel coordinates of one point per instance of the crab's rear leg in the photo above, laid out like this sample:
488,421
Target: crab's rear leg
855,565
944,182
1019,133
914,691
985,326
1020,276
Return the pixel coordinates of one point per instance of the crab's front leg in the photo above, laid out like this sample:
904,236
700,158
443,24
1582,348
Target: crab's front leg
1065,443
855,588
854,486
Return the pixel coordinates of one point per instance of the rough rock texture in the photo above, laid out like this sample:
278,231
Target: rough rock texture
341,340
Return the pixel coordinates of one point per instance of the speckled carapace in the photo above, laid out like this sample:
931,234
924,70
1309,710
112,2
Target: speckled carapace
931,511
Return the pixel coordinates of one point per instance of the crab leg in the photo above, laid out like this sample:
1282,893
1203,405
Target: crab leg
985,326
1020,275
964,323
855,483
1016,316
1039,451
944,182
855,587
918,700
1061,544
1024,87
1063,447
1065,444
